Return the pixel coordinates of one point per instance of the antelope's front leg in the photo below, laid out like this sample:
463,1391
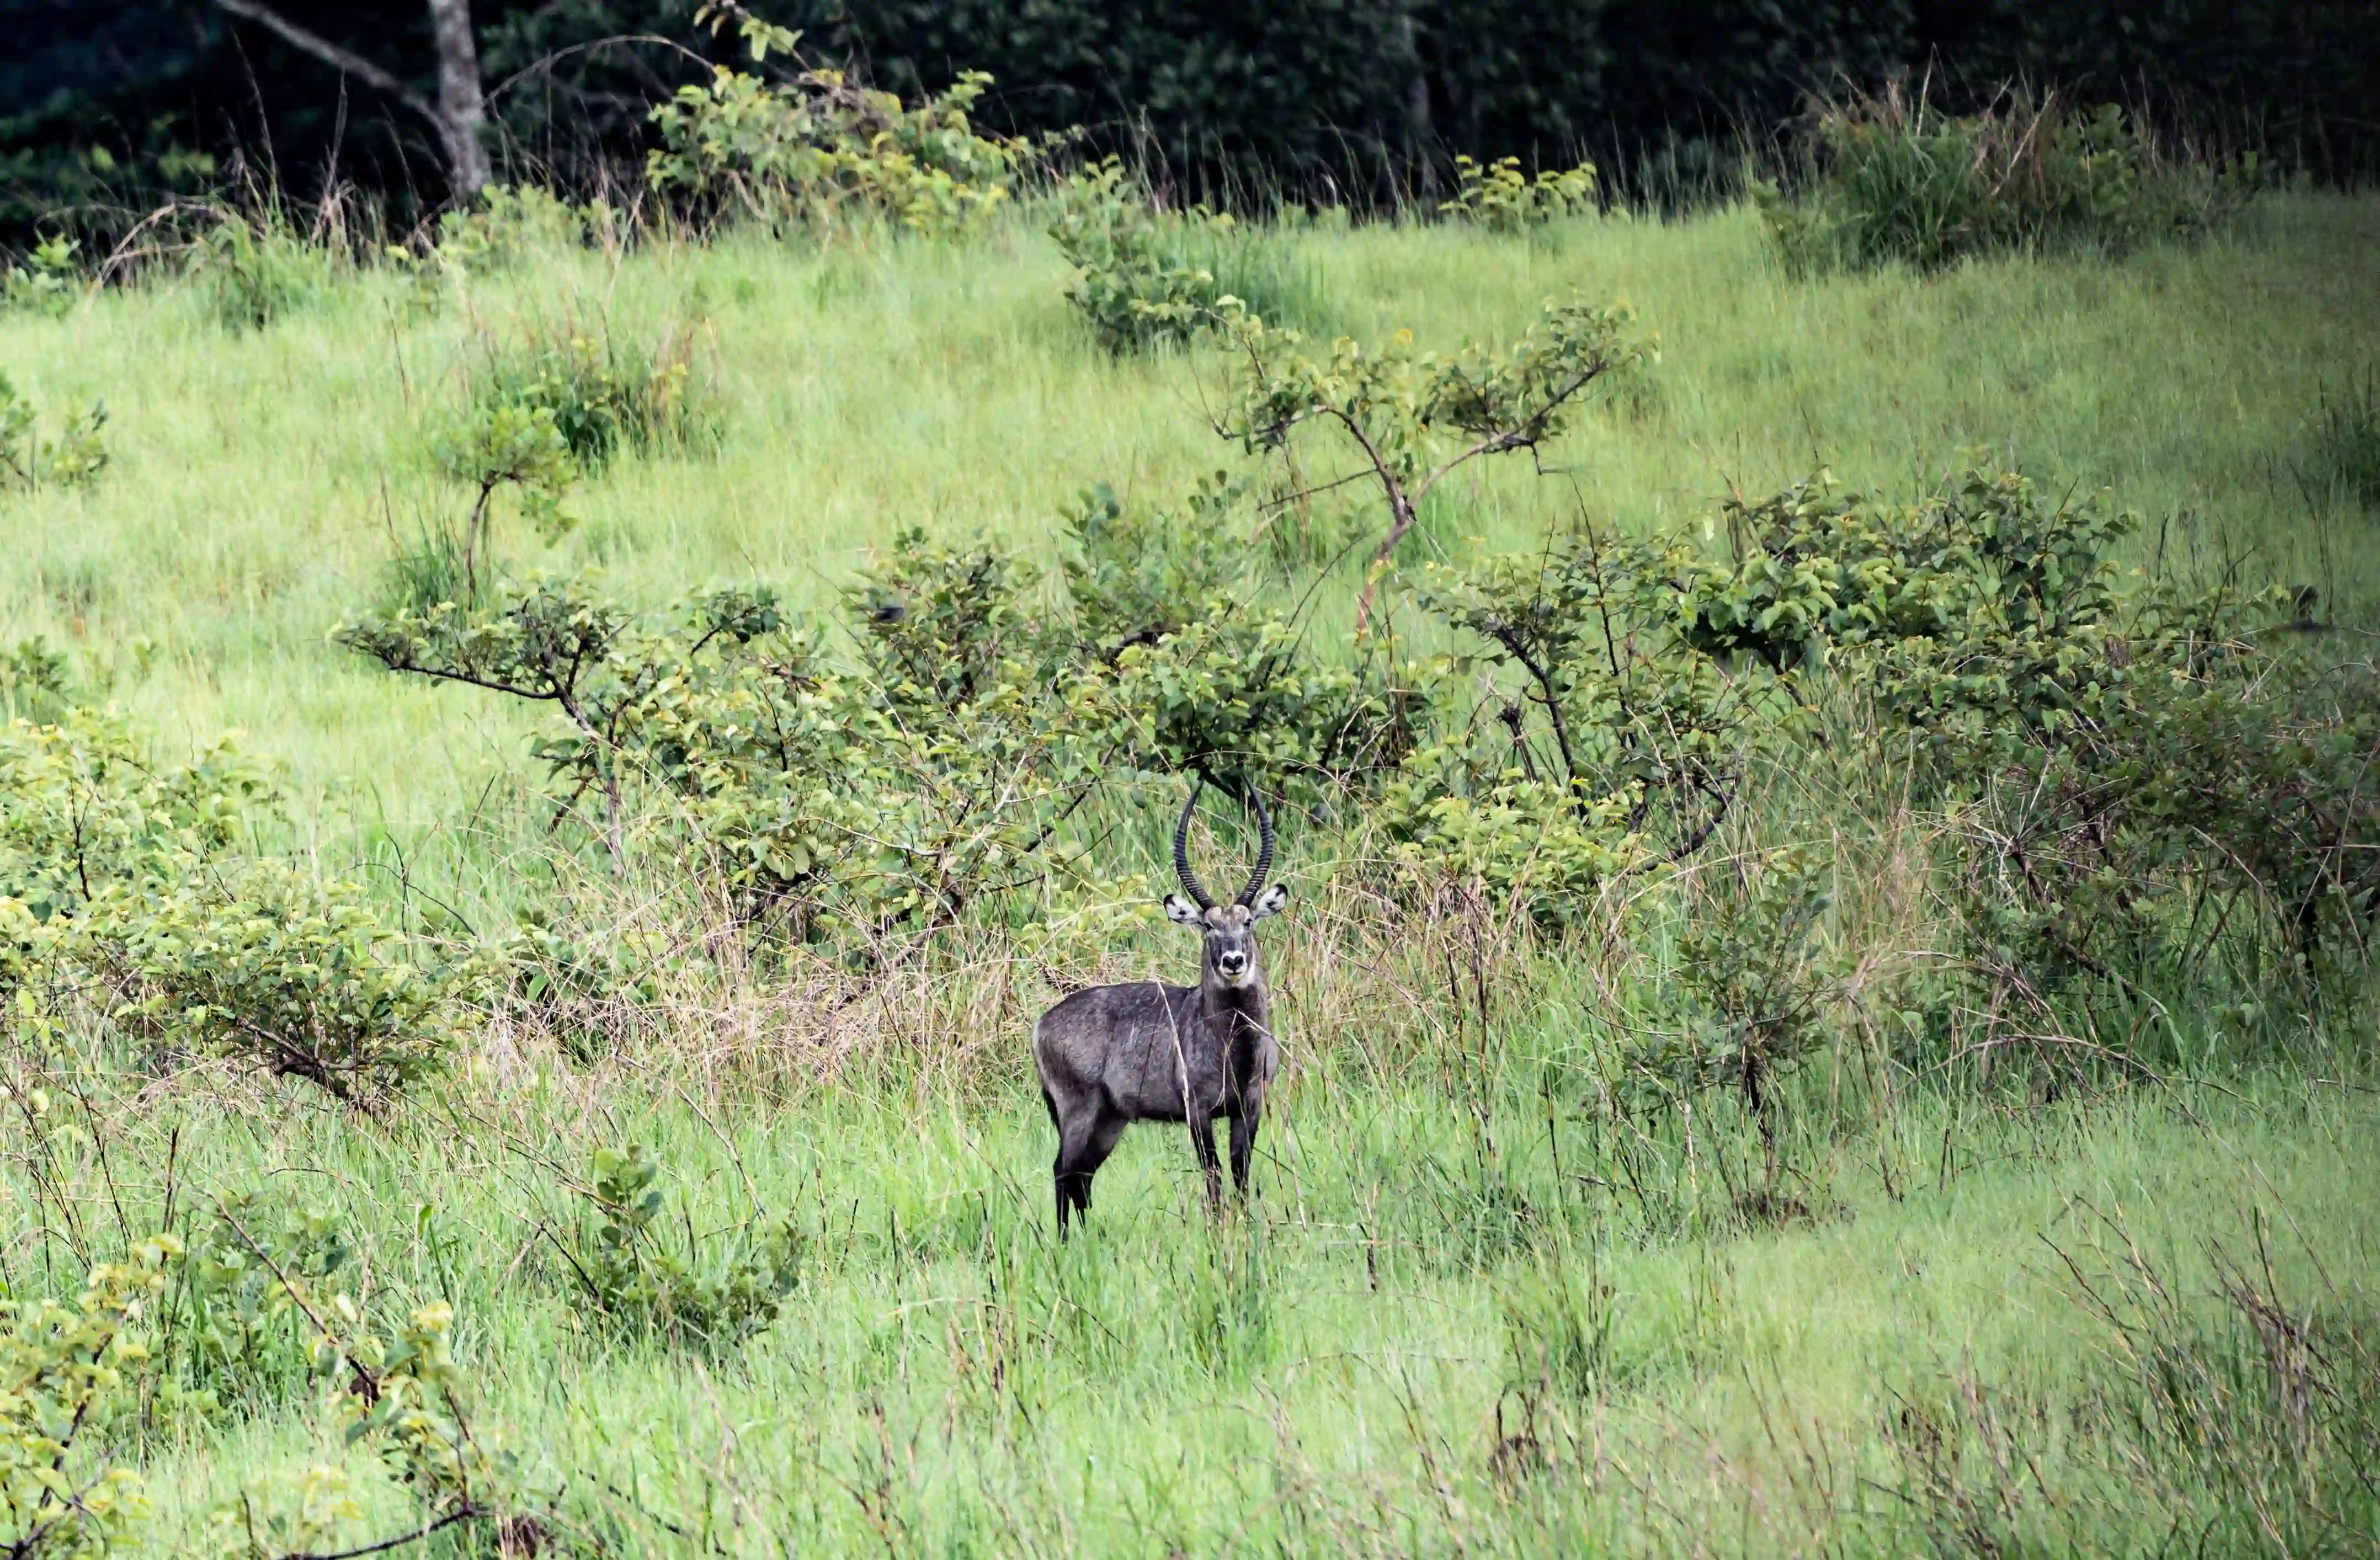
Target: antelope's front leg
1243,1143
1202,1143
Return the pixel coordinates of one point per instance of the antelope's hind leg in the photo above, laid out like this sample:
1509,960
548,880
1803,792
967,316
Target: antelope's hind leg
1081,1150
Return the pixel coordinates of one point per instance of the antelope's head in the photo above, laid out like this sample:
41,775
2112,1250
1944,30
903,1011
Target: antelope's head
1229,930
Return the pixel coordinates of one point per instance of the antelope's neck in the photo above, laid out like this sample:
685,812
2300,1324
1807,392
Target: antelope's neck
1218,1000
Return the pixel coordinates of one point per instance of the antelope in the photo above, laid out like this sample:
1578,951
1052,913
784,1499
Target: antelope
1145,1051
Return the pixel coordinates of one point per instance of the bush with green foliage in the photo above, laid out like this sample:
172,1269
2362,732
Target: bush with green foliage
46,283
70,1374
1136,572
86,814
406,1396
1143,275
2126,765
601,394
1501,199
254,269
262,964
625,1261
121,886
821,795
509,223
819,149
1413,417
1891,178
232,1326
28,460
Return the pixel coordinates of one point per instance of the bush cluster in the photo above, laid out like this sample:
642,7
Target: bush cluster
1892,178
1143,275
132,896
818,148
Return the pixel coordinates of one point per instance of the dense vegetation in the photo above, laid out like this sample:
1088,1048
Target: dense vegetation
107,110
1826,752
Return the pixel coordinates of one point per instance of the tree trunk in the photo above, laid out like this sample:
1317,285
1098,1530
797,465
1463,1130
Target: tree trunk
462,115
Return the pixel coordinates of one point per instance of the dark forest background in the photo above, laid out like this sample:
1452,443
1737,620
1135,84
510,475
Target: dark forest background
107,108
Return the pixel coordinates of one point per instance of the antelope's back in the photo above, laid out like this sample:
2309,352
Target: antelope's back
1121,1043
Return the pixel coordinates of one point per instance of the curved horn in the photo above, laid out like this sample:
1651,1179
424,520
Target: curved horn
1190,885
1264,852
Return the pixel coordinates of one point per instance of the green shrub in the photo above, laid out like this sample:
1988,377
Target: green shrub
46,283
36,682
1754,988
261,963
29,461
70,1371
1499,198
820,150
398,1388
1137,573
255,270
501,446
601,394
2120,759
503,226
86,813
851,799
1142,276
1412,418
1890,179
231,1327
712,1295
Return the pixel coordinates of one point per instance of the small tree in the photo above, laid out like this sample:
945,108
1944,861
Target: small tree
1413,417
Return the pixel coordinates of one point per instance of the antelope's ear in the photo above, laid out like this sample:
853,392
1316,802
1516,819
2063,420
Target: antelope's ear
1269,901
1183,912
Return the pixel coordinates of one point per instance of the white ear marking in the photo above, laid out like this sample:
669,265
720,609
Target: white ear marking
1182,912
1269,901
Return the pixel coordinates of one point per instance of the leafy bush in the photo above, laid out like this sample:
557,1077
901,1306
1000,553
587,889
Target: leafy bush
1890,179
600,393
1137,573
36,682
1143,276
2121,759
500,445
1754,989
1501,199
714,1295
1414,417
405,1396
29,461
45,283
255,270
828,797
85,814
259,962
820,149
1613,702
233,1327
69,1372
505,226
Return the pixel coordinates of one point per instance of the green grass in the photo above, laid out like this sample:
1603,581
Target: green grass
1424,1278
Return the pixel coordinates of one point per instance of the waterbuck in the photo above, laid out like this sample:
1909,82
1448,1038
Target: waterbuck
1112,1055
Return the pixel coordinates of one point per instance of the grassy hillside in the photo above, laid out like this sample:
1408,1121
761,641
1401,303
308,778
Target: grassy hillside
257,474
1481,1304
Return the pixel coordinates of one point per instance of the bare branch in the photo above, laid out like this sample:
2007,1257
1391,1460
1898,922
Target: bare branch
333,54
